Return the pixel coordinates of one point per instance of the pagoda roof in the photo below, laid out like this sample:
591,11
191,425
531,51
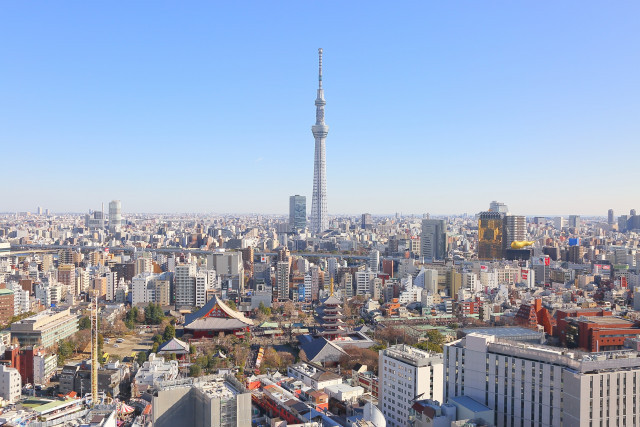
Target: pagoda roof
332,301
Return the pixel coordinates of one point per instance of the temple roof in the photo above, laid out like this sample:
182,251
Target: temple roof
174,346
206,311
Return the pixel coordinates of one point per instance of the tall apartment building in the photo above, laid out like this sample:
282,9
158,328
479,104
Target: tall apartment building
67,275
433,239
405,374
374,261
528,384
140,288
515,229
282,280
363,282
185,285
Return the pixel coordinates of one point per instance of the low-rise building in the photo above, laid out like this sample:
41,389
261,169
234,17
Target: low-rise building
313,376
154,370
45,328
10,384
44,366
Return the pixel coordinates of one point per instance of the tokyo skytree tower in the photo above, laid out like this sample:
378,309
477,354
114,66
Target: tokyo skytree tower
319,219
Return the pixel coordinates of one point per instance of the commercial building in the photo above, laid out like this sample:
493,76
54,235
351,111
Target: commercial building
407,373
528,384
433,239
490,235
202,402
297,213
45,328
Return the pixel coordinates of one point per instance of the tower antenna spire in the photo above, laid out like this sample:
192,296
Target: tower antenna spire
320,68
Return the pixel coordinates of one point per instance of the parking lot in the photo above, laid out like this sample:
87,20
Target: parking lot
133,343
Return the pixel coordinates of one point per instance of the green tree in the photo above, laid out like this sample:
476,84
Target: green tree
192,349
141,357
231,304
169,332
195,370
154,347
84,323
153,314
157,338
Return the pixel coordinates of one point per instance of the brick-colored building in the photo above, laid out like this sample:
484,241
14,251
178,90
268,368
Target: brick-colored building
6,306
532,315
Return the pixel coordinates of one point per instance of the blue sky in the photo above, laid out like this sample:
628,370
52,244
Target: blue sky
434,107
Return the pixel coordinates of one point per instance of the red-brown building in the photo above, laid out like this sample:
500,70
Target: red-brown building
532,315
598,333
6,306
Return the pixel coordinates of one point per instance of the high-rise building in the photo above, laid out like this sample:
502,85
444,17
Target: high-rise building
498,207
297,213
185,285
363,282
515,229
490,235
367,222
433,239
543,386
574,221
374,261
622,223
407,374
115,216
282,280
611,219
319,217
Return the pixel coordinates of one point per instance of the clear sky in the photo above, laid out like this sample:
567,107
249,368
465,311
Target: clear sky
434,107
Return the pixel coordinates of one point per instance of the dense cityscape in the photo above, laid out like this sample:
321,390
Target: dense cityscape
255,320
500,317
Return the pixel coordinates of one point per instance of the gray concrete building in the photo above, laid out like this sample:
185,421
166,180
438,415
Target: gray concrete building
202,402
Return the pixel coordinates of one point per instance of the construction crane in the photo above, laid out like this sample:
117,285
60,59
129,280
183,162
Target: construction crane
94,349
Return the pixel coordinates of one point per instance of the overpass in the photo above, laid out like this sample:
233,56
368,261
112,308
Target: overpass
28,249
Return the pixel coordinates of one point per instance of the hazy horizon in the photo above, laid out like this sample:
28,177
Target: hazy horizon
431,106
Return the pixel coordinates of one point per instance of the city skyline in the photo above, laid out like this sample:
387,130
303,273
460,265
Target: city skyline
468,103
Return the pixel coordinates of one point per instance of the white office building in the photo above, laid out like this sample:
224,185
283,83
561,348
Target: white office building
544,386
10,384
405,374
